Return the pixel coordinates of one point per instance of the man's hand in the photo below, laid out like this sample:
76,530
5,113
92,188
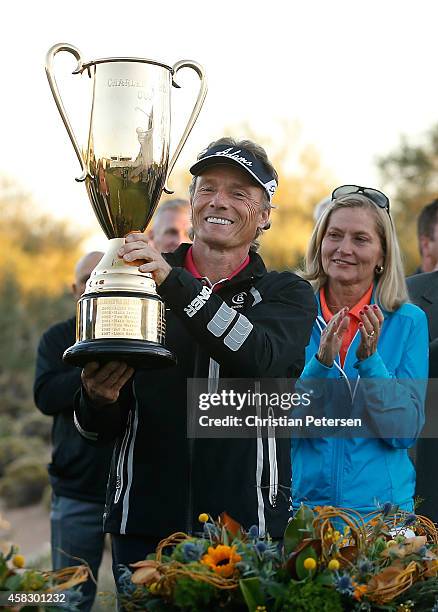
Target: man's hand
136,248
103,384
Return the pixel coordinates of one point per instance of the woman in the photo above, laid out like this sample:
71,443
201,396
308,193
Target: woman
365,329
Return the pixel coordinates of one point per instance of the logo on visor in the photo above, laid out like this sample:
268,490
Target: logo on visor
235,155
271,187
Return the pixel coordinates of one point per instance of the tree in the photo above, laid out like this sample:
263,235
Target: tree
37,260
38,250
410,173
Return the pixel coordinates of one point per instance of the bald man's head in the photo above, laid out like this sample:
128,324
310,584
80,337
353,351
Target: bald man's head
83,269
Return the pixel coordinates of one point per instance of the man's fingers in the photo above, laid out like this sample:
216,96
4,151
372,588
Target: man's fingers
149,267
136,236
108,370
125,377
90,368
113,380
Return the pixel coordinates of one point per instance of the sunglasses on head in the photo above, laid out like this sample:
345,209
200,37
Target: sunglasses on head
376,196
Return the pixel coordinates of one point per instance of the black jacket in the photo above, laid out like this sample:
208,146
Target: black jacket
77,470
160,481
423,291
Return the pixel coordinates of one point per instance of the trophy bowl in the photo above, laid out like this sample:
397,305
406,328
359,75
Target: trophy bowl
125,167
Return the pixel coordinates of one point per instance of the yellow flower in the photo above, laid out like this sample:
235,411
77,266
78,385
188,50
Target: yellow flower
336,536
309,564
334,565
221,559
203,517
390,543
18,561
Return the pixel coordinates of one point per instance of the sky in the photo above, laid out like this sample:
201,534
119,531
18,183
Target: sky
354,75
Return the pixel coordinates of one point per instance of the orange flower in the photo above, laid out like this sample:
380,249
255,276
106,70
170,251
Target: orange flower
360,591
221,559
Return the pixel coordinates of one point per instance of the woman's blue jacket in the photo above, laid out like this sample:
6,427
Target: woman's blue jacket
387,391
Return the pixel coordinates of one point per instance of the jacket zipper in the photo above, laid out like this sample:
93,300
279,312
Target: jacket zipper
338,459
121,460
191,441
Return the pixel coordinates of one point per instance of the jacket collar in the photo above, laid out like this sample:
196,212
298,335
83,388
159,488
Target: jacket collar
255,268
372,301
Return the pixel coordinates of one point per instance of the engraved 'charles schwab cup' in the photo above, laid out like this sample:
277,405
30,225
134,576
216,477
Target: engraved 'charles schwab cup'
125,166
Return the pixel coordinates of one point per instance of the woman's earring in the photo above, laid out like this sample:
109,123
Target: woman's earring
379,270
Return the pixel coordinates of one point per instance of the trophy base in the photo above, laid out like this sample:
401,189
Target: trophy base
139,354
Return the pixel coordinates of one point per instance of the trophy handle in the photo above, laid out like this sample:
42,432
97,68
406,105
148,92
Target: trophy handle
195,112
58,100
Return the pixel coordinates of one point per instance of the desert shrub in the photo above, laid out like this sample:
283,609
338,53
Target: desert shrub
46,498
8,426
11,448
14,448
23,483
36,426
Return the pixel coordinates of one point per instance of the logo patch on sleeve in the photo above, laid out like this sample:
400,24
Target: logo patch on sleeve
198,302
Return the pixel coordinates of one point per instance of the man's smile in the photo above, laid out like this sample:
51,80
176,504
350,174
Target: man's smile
219,221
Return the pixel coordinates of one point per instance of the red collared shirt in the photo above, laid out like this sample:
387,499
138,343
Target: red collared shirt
189,265
353,314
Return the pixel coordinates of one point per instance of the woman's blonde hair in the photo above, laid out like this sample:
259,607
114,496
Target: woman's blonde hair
391,291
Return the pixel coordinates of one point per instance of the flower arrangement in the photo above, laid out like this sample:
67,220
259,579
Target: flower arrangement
330,560
15,578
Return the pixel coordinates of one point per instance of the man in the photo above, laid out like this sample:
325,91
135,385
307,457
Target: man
78,472
423,291
427,230
171,225
227,316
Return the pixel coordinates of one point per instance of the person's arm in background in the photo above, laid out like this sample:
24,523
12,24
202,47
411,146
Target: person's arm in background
56,383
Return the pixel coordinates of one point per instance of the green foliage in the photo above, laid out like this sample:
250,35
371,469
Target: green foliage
23,483
194,596
410,173
298,528
252,593
309,597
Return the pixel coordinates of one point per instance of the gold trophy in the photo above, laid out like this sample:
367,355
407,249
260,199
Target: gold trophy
125,167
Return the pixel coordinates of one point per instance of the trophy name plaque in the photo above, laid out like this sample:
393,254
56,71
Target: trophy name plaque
125,167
